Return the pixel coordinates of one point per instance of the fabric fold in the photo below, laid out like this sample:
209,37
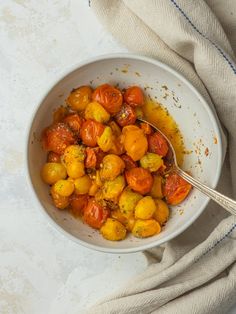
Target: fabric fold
195,272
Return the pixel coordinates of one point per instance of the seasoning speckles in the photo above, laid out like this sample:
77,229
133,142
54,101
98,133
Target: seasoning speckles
187,152
215,140
137,73
165,96
206,151
164,87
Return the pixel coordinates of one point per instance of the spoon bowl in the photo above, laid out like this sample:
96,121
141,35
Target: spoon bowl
224,201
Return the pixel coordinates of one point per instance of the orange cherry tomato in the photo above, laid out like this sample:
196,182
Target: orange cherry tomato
118,146
79,98
175,189
157,144
146,128
59,114
90,131
74,121
57,137
95,214
77,203
134,96
126,115
140,180
53,157
129,163
109,97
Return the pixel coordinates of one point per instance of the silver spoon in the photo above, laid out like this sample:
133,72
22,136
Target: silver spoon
226,202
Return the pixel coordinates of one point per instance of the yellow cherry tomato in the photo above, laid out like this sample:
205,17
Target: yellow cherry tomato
127,202
64,187
105,141
162,212
83,185
112,189
75,169
96,112
151,161
112,166
52,172
73,153
93,189
113,230
61,202
145,208
146,228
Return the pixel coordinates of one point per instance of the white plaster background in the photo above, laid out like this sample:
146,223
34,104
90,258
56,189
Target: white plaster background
41,271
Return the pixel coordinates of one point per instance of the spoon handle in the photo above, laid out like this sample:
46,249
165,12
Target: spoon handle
226,202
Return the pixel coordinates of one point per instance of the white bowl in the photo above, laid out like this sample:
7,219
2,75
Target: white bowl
197,122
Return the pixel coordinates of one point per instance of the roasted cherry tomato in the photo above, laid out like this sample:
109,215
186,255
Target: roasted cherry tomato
157,144
135,142
139,179
57,137
60,114
53,157
91,158
175,189
126,115
77,204
59,201
74,121
90,131
134,96
94,157
115,128
146,128
79,98
129,163
109,97
118,146
95,214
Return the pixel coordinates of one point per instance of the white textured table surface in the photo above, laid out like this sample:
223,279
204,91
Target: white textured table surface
41,271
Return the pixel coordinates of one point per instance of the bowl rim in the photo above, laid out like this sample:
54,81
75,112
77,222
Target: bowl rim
212,115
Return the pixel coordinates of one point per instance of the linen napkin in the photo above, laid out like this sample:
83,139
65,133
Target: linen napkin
195,272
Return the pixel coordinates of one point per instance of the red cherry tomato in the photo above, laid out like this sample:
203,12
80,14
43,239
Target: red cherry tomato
94,157
95,214
74,121
57,137
90,131
134,96
91,158
129,163
175,189
140,180
157,144
109,97
77,204
126,115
